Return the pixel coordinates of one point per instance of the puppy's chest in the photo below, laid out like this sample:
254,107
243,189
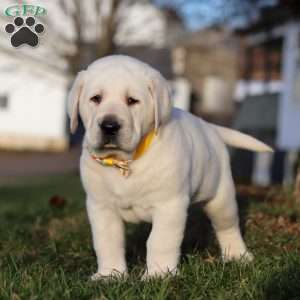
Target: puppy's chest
131,192
133,197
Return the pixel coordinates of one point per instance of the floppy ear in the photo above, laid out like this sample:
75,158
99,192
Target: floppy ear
73,100
159,90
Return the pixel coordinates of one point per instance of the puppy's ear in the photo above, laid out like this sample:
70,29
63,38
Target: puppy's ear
160,93
73,100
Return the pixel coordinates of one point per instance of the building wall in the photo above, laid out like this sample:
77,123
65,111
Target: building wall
35,116
211,67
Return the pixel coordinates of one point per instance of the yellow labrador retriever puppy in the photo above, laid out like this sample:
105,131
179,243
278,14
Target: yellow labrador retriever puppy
143,160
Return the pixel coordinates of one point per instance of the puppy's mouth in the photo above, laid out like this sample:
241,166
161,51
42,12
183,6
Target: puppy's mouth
108,149
110,146
109,143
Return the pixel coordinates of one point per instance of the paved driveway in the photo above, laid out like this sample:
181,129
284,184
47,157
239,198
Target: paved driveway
14,165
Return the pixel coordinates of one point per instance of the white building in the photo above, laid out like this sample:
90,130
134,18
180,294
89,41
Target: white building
32,106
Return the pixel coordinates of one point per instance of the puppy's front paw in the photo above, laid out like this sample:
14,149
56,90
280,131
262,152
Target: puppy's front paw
97,276
247,257
158,273
108,275
243,257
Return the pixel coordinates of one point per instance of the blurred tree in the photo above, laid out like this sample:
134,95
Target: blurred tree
105,22
78,32
94,25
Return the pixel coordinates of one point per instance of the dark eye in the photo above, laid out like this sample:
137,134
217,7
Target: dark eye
96,99
132,101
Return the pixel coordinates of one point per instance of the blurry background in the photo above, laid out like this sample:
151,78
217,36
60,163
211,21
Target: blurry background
232,62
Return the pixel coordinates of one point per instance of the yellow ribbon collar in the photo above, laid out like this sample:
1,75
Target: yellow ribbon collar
124,165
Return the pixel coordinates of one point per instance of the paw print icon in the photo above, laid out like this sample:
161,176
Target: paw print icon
24,31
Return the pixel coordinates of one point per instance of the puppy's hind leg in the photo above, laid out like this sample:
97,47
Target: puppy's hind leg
223,213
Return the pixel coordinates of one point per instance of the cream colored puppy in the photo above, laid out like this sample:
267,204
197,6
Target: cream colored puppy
132,173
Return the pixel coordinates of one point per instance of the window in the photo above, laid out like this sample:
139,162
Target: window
262,62
3,102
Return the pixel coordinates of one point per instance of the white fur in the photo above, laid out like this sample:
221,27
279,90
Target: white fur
187,162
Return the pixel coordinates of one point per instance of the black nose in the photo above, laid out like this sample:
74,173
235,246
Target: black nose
110,126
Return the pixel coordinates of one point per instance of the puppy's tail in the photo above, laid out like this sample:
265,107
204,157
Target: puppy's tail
237,139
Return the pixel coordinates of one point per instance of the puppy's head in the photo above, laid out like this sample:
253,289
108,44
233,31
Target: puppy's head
119,99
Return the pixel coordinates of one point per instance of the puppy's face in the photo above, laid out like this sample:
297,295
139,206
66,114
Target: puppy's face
119,100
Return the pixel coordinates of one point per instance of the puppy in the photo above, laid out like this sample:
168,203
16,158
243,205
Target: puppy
143,160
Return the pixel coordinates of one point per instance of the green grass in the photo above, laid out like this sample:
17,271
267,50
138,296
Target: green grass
46,252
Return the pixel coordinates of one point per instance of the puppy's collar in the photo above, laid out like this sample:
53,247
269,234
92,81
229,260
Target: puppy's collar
124,165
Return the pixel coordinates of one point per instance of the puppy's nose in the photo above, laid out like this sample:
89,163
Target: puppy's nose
110,126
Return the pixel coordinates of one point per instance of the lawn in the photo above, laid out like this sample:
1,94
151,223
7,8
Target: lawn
46,251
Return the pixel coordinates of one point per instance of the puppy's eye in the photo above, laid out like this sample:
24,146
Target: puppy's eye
96,99
132,101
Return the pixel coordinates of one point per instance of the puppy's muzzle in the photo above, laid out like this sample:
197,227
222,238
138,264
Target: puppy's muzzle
110,126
